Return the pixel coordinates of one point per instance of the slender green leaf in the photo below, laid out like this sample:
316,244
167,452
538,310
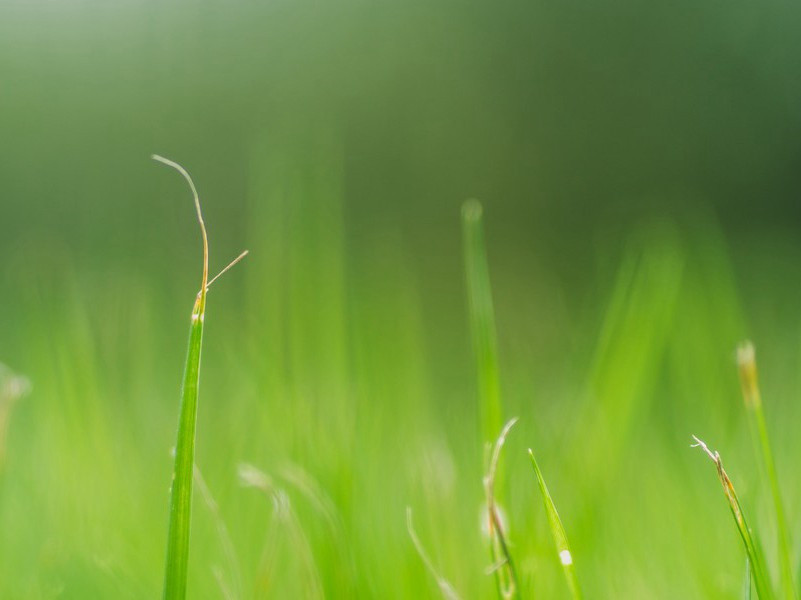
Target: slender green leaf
558,532
746,362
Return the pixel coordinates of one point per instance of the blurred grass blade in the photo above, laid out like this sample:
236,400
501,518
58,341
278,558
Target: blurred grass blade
175,577
747,580
558,531
444,586
758,570
227,544
503,566
746,362
482,320
12,388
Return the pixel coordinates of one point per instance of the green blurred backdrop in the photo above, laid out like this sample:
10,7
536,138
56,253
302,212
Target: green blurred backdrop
640,170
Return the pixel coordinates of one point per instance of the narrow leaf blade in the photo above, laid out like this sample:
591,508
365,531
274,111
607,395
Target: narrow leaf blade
558,532
181,494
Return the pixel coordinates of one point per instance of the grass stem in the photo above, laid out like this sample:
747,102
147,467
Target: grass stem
746,362
175,576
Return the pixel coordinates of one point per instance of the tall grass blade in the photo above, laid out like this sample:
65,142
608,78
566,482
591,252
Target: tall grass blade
752,549
175,578
482,320
746,361
558,532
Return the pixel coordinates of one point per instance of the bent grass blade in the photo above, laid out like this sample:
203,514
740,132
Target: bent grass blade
175,577
558,532
755,558
503,566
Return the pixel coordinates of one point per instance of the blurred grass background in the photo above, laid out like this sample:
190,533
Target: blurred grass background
639,170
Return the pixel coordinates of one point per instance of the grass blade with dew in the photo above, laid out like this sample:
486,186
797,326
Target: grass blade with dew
175,577
482,320
558,531
746,362
752,549
444,586
502,564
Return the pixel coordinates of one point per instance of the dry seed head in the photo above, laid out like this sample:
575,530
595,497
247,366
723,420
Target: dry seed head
746,363
728,487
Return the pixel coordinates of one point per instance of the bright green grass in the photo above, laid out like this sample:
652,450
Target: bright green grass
342,371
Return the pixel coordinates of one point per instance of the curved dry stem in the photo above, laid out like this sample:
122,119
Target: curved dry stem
201,301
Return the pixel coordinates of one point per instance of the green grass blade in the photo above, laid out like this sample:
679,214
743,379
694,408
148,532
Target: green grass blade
175,578
181,495
482,320
746,362
558,532
752,549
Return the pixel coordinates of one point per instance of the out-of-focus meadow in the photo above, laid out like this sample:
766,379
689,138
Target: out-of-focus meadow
640,170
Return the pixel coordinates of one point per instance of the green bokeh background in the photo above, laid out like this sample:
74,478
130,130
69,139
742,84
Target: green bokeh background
640,170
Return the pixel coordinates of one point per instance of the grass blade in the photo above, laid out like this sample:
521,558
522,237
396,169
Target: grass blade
746,362
502,564
482,320
753,552
175,578
558,531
